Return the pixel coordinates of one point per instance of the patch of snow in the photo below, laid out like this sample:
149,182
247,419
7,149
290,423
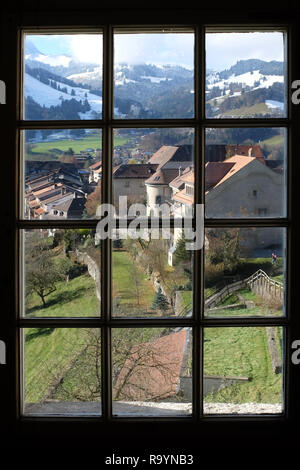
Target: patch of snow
247,79
275,104
47,96
156,79
86,76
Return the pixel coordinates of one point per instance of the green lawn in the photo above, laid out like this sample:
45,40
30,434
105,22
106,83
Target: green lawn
258,309
49,353
258,108
187,298
276,140
129,282
91,141
241,351
74,298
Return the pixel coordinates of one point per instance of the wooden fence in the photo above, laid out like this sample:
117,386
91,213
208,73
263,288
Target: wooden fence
259,282
263,285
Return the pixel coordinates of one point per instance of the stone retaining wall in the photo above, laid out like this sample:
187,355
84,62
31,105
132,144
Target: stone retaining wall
93,269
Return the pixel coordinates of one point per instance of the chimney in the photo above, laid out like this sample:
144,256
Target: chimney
179,171
250,153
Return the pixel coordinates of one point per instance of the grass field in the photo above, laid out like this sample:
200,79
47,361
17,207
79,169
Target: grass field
187,297
91,141
58,366
241,351
129,283
276,140
74,298
258,108
49,353
259,309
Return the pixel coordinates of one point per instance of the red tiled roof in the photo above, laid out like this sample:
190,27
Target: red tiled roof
152,370
134,170
163,154
163,176
167,153
184,198
246,150
238,162
39,211
95,166
215,171
187,176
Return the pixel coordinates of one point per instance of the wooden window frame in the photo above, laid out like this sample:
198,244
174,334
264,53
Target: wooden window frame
106,425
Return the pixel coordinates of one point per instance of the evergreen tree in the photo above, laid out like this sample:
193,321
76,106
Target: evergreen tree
181,253
160,301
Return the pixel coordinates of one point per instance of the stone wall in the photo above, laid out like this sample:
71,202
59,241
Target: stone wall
211,383
93,269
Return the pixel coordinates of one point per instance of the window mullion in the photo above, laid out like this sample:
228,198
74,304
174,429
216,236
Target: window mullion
106,198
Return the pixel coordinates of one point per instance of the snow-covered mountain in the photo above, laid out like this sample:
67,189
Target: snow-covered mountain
73,89
47,96
253,79
245,85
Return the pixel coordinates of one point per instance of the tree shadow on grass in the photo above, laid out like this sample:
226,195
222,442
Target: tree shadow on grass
38,332
59,299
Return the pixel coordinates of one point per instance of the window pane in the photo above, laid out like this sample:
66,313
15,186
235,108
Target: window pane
245,272
152,275
62,371
61,273
62,173
153,75
154,167
243,370
245,74
245,172
152,371
62,76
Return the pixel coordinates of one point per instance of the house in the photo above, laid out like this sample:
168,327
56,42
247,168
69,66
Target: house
95,172
69,209
129,180
170,161
49,185
260,190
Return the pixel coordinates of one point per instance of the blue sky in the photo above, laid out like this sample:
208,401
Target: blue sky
222,49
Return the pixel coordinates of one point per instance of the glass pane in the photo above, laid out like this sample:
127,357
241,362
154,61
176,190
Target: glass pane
62,371
243,370
245,74
153,75
62,76
245,172
245,272
154,167
152,371
62,173
152,275
61,273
